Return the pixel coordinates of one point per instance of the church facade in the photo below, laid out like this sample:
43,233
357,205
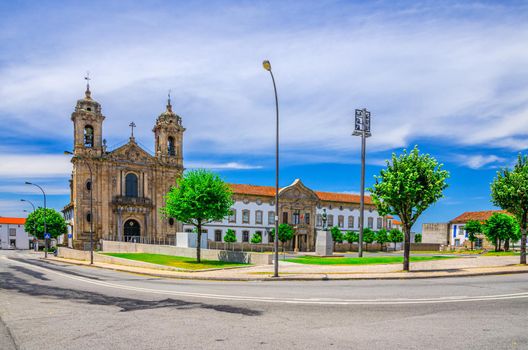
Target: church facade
120,192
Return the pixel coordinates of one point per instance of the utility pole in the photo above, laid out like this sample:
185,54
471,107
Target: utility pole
362,128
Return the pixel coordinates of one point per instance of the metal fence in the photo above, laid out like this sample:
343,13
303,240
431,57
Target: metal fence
143,239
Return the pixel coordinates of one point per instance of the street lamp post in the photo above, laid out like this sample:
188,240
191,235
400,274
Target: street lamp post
362,128
35,240
267,66
46,243
91,203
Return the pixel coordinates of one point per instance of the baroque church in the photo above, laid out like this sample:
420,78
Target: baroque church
120,192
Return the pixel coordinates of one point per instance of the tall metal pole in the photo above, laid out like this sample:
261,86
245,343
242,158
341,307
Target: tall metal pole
362,128
267,66
46,244
362,196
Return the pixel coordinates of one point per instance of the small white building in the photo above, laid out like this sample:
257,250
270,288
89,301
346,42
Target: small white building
13,235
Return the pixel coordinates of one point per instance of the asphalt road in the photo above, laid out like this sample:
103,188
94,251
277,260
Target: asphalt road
56,306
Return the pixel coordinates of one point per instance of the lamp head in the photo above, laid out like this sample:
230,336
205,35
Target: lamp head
22,200
68,153
267,65
28,183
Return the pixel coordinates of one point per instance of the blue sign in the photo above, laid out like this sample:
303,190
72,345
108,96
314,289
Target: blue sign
47,236
70,235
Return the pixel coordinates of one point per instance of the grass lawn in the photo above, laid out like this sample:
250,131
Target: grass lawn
369,260
175,261
468,252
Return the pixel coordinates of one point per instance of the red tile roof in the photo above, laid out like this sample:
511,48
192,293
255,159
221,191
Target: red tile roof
476,215
269,191
396,222
12,221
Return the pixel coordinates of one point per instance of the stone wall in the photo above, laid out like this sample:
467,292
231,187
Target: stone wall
435,233
207,254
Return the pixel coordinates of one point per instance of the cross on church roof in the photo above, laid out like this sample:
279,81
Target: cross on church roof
87,78
132,126
169,106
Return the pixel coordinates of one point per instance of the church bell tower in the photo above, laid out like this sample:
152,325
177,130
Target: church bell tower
168,133
88,125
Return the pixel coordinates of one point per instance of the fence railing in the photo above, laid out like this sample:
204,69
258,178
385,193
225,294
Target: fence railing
143,239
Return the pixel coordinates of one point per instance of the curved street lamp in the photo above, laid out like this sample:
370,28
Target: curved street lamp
267,66
91,203
44,216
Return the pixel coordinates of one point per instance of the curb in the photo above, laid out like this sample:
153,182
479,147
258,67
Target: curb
303,279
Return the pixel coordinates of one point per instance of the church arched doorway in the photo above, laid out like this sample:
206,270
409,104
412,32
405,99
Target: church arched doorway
132,230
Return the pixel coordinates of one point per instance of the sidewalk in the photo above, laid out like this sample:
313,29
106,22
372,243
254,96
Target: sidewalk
459,267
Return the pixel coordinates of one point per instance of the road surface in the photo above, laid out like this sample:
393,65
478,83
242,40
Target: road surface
46,305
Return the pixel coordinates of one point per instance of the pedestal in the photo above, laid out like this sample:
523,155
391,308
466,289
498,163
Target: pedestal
324,244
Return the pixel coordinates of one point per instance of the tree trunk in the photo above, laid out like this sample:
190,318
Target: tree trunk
507,245
523,238
471,245
500,241
406,247
199,243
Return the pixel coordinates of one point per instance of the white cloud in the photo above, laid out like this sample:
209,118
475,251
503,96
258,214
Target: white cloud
25,189
478,161
221,166
27,166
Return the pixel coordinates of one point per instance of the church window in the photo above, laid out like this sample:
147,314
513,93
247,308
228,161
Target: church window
245,216
370,222
330,221
379,223
285,217
171,221
258,217
172,149
88,185
131,185
89,217
307,218
88,136
245,236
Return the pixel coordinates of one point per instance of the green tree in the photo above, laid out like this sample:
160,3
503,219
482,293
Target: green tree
509,191
55,223
407,187
382,237
500,227
395,236
200,197
368,237
230,236
256,238
473,228
286,233
418,238
337,235
351,237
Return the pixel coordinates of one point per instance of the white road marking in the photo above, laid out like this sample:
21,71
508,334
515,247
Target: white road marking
315,301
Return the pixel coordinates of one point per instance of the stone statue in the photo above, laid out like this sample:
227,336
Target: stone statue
325,227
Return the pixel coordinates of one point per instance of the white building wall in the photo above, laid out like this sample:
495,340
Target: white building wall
266,207
238,226
346,212
457,234
20,239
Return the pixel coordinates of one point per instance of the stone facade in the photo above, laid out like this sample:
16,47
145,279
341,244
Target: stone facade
125,186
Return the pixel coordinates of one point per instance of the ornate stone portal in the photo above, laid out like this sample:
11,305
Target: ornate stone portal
127,184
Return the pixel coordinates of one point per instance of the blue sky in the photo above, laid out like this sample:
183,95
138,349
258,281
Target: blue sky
449,76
